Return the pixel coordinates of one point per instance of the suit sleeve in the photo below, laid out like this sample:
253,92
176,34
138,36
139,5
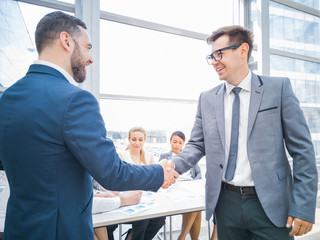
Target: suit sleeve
197,172
299,145
194,149
85,135
162,156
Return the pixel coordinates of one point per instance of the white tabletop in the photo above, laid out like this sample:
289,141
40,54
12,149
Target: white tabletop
182,197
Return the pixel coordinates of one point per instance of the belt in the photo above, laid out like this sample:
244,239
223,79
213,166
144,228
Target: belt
241,190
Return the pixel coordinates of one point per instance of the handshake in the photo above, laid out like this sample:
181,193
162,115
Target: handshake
170,175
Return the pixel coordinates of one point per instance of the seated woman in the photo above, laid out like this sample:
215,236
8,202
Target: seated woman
191,222
134,153
105,201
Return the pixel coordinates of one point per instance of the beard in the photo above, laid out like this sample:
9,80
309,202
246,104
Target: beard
78,65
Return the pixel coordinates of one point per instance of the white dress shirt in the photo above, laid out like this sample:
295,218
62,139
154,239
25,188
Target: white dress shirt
60,69
105,204
243,175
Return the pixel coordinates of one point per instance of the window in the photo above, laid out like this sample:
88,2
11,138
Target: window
141,62
294,31
309,3
122,115
17,45
199,16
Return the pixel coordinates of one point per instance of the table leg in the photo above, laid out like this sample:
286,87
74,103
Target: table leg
170,218
120,231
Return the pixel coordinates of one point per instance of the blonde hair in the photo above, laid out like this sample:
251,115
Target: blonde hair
142,154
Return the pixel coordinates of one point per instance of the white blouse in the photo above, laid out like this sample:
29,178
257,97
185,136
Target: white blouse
127,157
105,204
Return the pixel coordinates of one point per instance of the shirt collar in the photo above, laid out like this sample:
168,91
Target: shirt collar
60,69
245,84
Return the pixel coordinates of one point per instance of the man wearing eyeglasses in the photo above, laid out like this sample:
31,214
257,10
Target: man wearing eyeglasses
244,127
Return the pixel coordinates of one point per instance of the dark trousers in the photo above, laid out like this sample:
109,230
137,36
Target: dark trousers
147,229
110,230
141,230
241,217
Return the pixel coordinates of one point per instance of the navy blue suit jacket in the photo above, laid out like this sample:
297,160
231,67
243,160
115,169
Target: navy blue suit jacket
52,138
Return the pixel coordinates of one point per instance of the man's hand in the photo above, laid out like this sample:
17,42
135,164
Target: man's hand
300,226
170,175
131,198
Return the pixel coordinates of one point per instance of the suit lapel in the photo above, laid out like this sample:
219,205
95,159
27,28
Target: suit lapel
219,112
255,100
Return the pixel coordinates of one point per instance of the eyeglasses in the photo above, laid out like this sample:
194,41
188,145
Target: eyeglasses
217,55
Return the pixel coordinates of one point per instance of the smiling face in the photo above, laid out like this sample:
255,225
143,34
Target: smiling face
176,144
81,58
230,64
136,140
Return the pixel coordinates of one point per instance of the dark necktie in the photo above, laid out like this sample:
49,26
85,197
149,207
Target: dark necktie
233,153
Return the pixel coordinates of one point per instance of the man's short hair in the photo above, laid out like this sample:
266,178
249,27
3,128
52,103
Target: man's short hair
237,35
52,24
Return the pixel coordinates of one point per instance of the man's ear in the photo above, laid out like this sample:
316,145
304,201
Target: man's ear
244,49
65,41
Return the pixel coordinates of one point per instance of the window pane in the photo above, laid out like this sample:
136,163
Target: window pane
317,148
136,61
294,31
309,3
17,47
121,115
312,115
68,1
199,16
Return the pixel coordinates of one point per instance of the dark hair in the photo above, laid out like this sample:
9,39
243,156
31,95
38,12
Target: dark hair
52,24
179,134
237,34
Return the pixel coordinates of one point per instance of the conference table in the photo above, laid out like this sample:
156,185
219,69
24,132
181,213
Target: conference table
182,197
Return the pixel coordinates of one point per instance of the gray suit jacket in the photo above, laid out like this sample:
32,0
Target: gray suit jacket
195,171
275,122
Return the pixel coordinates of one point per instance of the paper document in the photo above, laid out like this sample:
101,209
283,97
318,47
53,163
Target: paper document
147,201
138,208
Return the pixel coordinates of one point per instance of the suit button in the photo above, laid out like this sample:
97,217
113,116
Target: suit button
221,166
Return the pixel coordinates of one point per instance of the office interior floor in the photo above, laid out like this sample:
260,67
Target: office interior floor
204,234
